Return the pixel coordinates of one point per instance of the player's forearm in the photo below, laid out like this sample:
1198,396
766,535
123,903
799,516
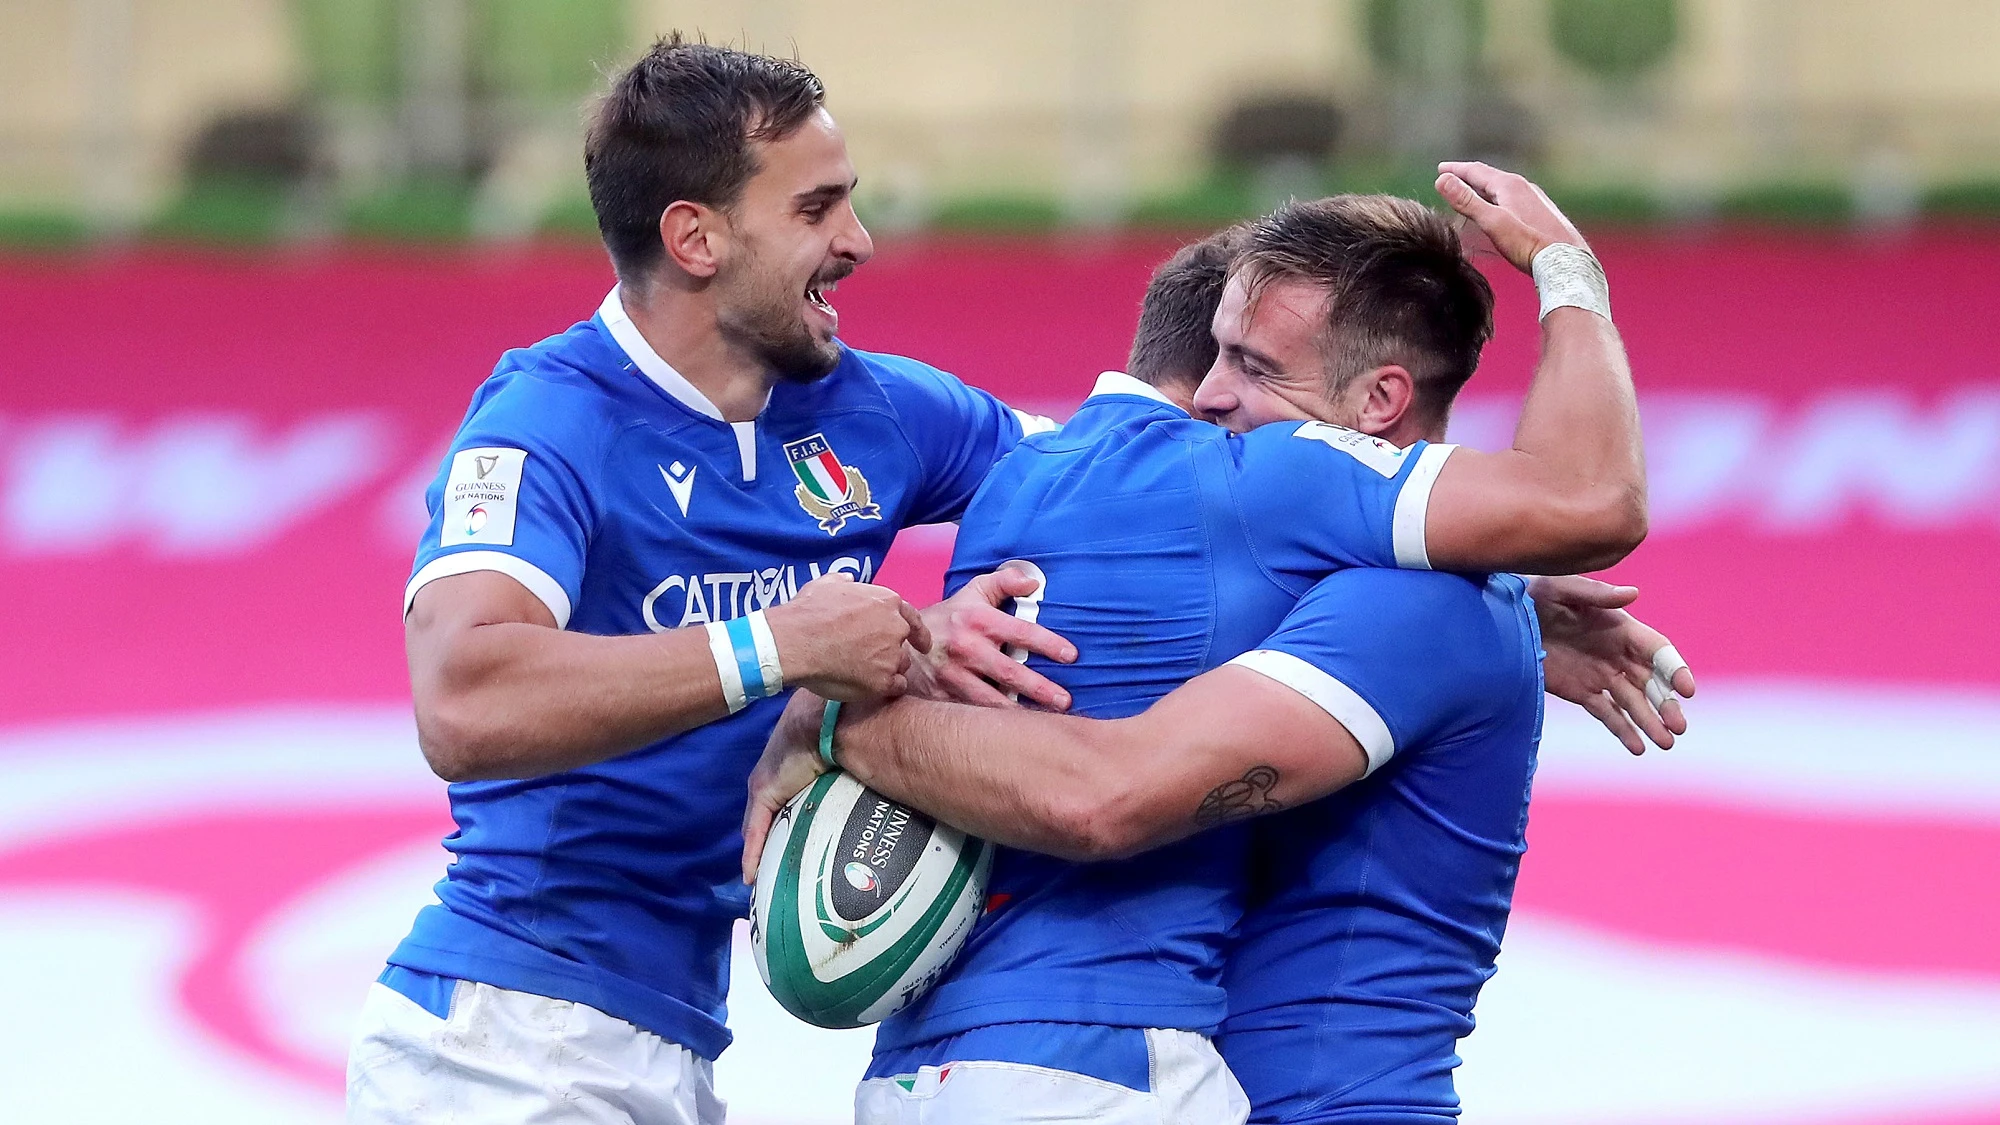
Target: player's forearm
1570,496
1027,779
1580,427
1572,490
509,699
1229,744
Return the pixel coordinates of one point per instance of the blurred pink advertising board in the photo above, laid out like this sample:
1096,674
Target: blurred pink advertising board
210,485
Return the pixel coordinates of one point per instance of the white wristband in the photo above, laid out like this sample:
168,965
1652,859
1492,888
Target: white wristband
768,667
724,651
746,658
1567,275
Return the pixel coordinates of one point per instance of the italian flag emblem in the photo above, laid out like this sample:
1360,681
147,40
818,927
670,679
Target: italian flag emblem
829,491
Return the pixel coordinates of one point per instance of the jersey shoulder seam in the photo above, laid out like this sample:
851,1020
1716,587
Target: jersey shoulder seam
877,363
593,469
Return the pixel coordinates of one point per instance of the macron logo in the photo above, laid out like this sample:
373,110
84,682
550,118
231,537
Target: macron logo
680,482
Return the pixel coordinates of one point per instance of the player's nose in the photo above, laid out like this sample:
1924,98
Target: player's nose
854,242
1214,398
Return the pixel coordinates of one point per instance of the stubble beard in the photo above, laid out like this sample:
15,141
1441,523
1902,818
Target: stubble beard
782,342
772,329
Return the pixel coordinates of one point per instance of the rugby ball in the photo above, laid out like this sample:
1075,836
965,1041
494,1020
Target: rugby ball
861,903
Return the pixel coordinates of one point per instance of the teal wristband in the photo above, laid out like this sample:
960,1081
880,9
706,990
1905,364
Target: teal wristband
828,719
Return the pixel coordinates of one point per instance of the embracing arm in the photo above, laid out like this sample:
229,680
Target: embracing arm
1570,495
501,692
1228,744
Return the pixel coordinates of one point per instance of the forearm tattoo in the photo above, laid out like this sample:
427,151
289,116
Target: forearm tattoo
1249,795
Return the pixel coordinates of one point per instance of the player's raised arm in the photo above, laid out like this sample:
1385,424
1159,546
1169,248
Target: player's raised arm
1570,495
1345,330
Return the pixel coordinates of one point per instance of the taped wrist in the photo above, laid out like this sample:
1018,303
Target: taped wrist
1568,275
746,657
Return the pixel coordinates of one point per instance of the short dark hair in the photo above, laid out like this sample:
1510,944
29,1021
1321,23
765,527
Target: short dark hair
678,125
1400,288
1174,346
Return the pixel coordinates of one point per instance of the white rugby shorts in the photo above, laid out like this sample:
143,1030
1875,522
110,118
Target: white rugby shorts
1191,1085
512,1058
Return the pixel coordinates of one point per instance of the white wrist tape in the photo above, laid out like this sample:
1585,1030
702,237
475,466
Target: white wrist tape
746,657
1570,275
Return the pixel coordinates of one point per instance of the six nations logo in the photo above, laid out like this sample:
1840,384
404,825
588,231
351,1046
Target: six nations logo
829,491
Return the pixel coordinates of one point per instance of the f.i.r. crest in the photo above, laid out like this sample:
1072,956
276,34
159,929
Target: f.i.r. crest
829,491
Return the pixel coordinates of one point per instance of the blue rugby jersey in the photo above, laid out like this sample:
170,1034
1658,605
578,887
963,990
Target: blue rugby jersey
1376,913
593,473
1169,546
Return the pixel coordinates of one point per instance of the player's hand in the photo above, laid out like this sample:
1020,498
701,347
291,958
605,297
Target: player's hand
847,640
969,664
1601,658
1515,214
790,763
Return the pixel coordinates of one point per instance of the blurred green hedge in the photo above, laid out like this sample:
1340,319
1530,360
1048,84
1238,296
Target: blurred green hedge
531,50
249,213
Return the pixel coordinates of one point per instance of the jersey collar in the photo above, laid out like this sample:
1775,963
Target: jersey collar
649,363
1119,383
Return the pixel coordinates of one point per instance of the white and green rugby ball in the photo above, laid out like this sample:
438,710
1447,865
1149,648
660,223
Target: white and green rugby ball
861,903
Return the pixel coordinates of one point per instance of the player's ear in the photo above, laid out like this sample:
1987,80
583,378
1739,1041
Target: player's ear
1386,395
691,234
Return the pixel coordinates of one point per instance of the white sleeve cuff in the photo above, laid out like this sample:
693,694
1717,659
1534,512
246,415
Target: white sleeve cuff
1335,698
547,590
1413,504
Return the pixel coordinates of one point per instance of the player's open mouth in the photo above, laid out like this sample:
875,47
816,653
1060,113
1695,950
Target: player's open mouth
816,297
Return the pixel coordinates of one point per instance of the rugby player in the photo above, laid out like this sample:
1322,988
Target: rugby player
1084,998
646,529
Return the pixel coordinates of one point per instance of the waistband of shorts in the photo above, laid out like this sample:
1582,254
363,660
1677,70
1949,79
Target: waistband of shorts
1119,1055
1067,996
